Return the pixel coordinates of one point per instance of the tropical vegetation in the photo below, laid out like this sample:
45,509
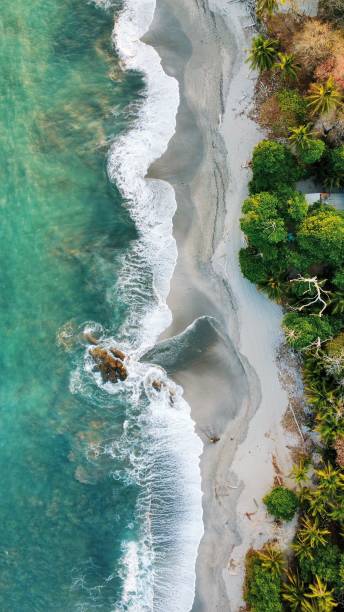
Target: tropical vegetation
295,254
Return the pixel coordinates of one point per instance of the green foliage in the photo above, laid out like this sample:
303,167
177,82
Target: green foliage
333,169
252,266
263,53
281,503
321,236
293,204
302,331
338,279
294,592
266,7
261,222
323,97
292,103
273,165
287,65
326,564
312,152
263,588
271,558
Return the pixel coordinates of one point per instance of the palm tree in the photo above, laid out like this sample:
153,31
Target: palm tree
303,551
301,137
272,559
324,97
263,53
311,534
322,595
330,480
299,472
293,591
274,288
288,65
330,422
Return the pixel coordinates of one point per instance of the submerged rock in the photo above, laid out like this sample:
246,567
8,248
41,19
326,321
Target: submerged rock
111,368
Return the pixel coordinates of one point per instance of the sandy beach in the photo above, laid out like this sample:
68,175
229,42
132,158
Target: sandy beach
230,378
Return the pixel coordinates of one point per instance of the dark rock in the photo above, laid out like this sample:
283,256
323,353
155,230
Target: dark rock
111,369
117,353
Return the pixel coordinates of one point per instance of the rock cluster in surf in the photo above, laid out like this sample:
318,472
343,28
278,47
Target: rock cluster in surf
109,362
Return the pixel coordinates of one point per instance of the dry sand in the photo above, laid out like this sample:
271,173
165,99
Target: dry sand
232,383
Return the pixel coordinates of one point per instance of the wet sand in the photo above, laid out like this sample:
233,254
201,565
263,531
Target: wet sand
231,381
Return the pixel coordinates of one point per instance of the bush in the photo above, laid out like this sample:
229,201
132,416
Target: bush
292,103
252,266
273,166
321,236
312,153
261,221
325,564
280,111
281,503
301,330
333,169
262,587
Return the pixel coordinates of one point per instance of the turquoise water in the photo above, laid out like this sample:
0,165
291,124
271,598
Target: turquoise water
63,234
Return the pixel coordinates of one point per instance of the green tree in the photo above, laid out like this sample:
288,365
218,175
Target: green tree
304,331
263,53
287,65
321,236
281,503
261,222
252,266
273,166
324,97
293,204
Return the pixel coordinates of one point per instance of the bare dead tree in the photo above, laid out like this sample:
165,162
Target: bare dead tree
316,294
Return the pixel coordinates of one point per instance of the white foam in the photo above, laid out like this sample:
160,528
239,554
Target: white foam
158,570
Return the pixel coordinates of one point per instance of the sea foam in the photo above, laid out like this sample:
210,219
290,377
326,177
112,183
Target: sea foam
158,569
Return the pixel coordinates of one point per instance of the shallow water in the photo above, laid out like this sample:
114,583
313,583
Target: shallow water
97,497
62,231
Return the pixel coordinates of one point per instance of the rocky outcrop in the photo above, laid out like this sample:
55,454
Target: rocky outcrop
110,364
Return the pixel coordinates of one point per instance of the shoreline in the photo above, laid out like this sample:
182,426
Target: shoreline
232,393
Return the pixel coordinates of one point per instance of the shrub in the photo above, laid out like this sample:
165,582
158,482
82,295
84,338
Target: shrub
281,503
261,221
333,170
292,103
278,112
273,165
325,564
252,266
301,330
262,587
312,153
321,236
313,43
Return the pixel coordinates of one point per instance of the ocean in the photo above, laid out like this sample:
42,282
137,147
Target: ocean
100,483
